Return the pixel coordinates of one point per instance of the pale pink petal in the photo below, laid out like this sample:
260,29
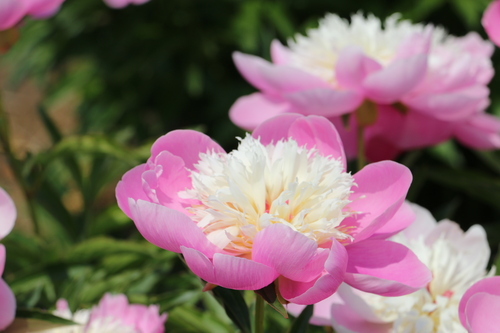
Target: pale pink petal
422,130
168,228
385,268
186,144
353,299
400,221
290,253
489,285
482,313
423,224
11,12
348,135
481,131
276,128
325,101
353,66
8,214
229,271
123,3
318,132
321,313
316,291
491,21
279,54
274,79
398,78
449,106
381,190
130,187
416,43
346,320
250,111
7,305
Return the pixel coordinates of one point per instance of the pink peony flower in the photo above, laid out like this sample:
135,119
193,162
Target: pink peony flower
7,300
456,260
124,3
280,207
409,85
113,314
12,11
491,21
480,306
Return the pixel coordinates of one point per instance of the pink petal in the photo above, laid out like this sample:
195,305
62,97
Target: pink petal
400,221
353,66
8,214
322,313
276,128
385,268
423,224
123,3
316,291
391,83
482,313
229,271
318,132
449,106
481,131
345,319
42,8
489,285
491,21
422,130
11,12
280,55
347,134
274,79
290,253
325,101
7,305
130,187
381,190
186,144
2,259
168,228
250,111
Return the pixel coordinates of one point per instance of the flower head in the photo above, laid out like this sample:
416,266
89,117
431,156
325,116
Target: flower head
12,11
491,21
113,314
420,85
7,300
480,305
280,207
456,260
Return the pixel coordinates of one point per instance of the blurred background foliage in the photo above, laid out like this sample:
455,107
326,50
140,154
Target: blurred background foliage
137,73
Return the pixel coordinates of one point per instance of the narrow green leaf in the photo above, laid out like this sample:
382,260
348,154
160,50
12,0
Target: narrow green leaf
42,315
235,306
301,324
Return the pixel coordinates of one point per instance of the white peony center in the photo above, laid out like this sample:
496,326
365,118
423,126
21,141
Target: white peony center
317,52
256,186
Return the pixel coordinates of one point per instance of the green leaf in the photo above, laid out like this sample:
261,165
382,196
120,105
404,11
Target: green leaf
448,153
235,306
42,315
301,324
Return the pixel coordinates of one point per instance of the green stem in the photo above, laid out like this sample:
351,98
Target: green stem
259,314
361,148
16,166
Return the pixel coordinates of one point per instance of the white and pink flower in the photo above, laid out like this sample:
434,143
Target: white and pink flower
8,215
280,207
113,314
424,85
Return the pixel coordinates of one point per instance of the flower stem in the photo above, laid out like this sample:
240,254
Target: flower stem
361,148
259,314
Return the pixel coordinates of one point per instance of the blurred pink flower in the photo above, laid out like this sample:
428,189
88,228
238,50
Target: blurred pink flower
124,3
113,314
281,206
491,21
12,11
422,85
7,300
456,259
480,306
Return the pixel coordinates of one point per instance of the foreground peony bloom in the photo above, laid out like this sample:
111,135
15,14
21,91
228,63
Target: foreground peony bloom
113,314
456,260
280,207
409,85
491,21
480,306
124,3
7,300
12,11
